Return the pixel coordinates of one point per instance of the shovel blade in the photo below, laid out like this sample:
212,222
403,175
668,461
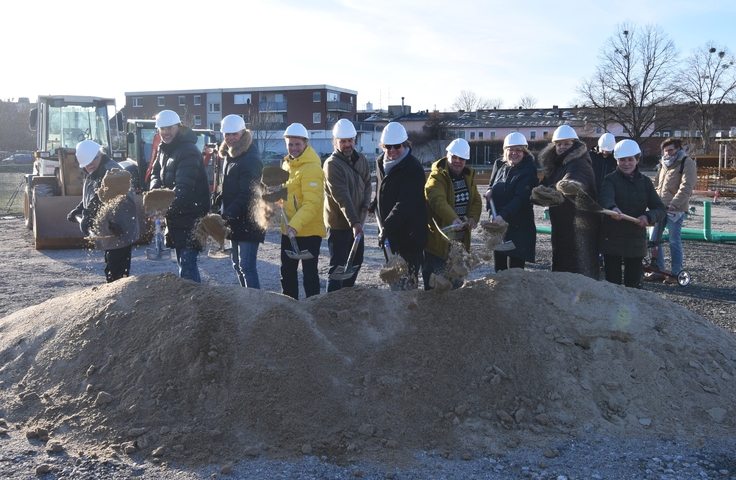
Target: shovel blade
343,273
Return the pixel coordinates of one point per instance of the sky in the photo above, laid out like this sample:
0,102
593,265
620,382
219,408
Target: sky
426,51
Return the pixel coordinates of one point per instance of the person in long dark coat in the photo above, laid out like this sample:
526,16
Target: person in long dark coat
574,231
514,176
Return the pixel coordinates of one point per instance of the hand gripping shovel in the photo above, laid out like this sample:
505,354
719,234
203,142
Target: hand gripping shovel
348,270
583,201
294,253
506,245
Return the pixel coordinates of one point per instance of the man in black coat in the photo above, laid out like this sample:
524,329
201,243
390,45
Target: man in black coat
179,166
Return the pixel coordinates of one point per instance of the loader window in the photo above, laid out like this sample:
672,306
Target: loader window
70,124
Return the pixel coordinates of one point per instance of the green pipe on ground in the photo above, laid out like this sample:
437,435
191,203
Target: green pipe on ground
691,234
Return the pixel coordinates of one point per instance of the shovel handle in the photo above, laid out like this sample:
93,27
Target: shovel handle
623,215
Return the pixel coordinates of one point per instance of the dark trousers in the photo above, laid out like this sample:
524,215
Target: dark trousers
414,260
289,266
339,242
501,261
117,263
633,269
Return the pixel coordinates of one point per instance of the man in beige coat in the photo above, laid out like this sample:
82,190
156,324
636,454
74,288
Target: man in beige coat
674,182
347,196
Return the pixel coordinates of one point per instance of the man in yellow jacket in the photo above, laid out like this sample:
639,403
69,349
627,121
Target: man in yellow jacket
303,208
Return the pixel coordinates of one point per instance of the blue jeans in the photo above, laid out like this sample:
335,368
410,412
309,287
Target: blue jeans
675,229
186,258
243,255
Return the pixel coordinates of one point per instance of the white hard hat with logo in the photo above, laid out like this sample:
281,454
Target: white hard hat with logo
86,152
344,128
460,148
515,139
232,124
296,130
564,132
607,142
626,148
167,118
394,134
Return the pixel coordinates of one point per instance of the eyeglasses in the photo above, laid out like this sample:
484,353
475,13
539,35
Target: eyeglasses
395,147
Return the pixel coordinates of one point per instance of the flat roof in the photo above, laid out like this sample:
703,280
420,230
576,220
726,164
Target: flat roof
244,90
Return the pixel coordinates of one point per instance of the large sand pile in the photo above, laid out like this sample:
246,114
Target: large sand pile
196,374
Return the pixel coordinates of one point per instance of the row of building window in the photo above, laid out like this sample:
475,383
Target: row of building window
241,99
492,134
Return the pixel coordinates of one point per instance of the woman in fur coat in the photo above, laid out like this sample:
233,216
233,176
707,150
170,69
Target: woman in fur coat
574,231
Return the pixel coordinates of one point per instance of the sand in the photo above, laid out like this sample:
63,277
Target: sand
198,374
115,182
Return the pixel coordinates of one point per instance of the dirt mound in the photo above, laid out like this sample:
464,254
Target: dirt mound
200,374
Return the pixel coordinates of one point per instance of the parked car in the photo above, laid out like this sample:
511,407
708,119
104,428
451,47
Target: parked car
19,158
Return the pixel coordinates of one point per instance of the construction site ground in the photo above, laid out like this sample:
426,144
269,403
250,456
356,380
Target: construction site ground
516,375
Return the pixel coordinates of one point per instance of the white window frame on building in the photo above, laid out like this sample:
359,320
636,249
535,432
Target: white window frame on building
678,133
197,120
137,102
316,97
697,133
472,135
333,96
182,100
214,126
493,134
532,134
665,134
214,107
545,133
598,129
197,100
242,99
161,101
480,135
317,117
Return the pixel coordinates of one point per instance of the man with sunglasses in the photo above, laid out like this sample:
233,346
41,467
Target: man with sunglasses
399,201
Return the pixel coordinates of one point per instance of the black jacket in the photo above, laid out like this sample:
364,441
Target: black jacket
512,186
179,166
635,197
241,190
399,203
601,167
574,231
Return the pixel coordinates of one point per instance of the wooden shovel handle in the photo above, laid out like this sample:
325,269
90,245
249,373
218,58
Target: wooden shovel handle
623,215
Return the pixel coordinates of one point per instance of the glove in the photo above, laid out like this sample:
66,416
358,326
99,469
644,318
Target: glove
280,194
85,224
115,229
72,216
381,239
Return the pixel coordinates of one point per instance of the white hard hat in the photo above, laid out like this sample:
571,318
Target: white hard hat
232,124
564,132
607,142
344,129
460,148
626,148
513,139
167,118
296,130
86,152
393,134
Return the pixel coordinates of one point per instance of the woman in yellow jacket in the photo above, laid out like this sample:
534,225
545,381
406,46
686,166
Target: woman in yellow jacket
303,208
452,199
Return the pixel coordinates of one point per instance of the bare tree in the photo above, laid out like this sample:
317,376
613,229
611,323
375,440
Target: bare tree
469,101
528,101
266,128
707,79
635,76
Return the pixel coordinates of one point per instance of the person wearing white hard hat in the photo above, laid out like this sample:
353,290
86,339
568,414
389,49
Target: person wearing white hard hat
303,206
399,201
241,203
627,191
512,179
602,158
452,199
675,180
113,228
178,166
574,231
348,194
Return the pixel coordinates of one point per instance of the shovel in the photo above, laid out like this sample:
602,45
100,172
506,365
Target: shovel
294,253
160,252
386,245
348,270
506,245
583,201
445,232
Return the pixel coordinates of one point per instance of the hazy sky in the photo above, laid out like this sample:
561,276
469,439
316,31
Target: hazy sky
424,50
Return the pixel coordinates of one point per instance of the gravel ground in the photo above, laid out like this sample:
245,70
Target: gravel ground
31,277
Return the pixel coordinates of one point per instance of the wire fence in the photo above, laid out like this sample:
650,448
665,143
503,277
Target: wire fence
12,188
